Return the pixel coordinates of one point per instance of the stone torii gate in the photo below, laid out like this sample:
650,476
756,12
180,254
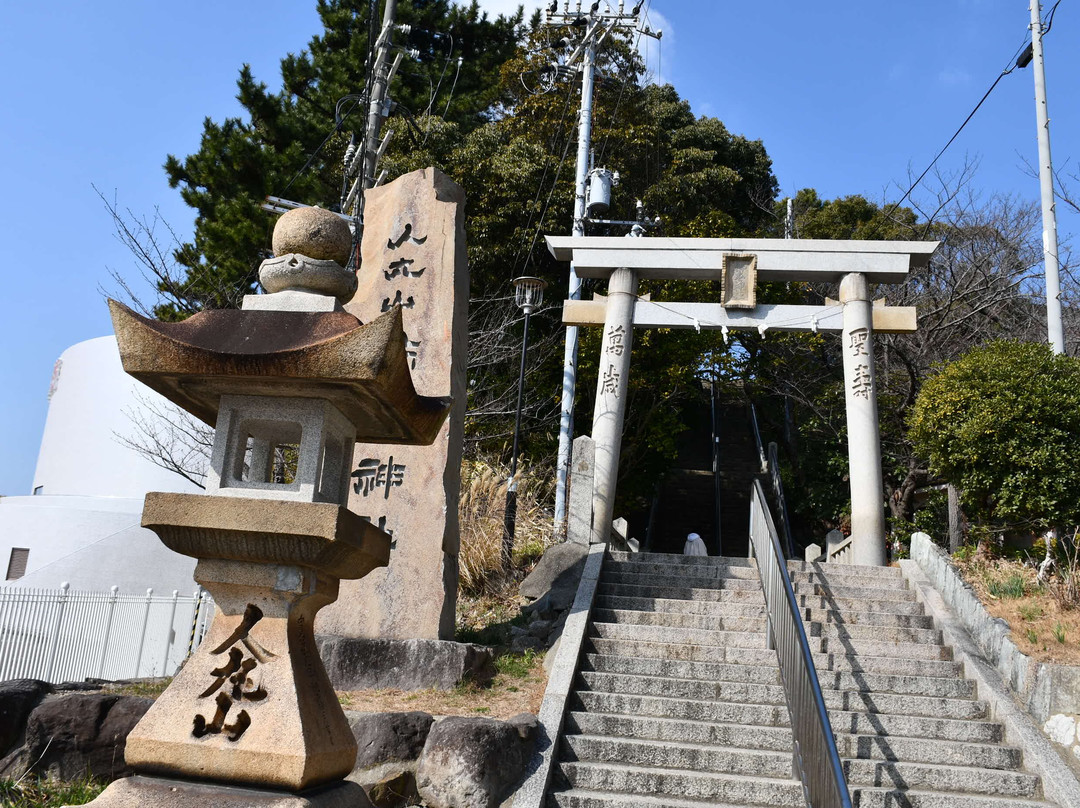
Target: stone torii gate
738,264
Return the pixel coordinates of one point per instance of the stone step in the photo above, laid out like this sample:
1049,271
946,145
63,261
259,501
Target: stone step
634,578
929,636
858,647
748,693
842,606
890,797
777,739
581,798
675,620
830,680
676,755
937,777
776,715
763,656
716,788
696,572
890,665
925,750
841,570
606,588
700,758
760,715
858,576
697,653
876,593
679,559
862,797
668,606
653,666
689,636
739,692
854,618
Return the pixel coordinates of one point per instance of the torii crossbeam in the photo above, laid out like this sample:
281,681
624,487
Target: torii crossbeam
738,264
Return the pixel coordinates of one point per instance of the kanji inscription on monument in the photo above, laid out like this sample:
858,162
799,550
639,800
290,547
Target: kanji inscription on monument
413,257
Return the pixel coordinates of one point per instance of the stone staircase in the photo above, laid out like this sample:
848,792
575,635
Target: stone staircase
678,702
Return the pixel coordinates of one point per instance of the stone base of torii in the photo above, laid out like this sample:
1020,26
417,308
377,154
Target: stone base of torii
738,264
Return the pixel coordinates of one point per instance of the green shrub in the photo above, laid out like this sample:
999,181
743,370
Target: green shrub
1002,423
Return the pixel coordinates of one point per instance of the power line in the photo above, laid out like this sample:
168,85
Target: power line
1009,69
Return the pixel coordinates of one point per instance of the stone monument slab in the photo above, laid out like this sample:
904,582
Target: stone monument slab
413,257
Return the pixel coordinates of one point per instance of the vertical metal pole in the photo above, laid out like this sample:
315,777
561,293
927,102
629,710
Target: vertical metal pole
566,418
142,632
510,515
169,633
108,631
1054,329
196,605
55,641
717,492
375,106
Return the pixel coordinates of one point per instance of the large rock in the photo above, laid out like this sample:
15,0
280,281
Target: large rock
359,664
388,746
559,569
76,734
474,762
17,698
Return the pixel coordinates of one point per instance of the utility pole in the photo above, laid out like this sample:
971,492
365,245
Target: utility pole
1054,328
361,160
361,164
598,25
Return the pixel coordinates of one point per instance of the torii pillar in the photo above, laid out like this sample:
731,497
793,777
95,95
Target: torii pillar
864,439
609,413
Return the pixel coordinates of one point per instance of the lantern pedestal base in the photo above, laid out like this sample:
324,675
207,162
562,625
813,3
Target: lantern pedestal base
154,792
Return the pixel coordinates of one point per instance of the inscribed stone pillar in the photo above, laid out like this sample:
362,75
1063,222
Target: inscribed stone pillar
579,516
413,256
864,440
610,410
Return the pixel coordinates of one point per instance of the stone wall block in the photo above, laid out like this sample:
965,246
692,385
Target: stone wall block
474,762
76,734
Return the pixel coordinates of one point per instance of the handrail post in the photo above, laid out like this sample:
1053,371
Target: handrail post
108,631
169,633
142,632
55,641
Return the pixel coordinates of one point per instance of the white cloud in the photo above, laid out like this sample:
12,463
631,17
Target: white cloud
954,76
496,7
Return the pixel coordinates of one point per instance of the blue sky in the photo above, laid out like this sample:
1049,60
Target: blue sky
848,97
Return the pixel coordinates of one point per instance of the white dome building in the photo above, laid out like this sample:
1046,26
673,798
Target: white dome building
81,525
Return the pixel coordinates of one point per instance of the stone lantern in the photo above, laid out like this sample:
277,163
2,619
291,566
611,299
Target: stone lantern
290,383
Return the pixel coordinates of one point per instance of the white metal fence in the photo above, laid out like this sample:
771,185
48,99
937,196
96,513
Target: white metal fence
61,636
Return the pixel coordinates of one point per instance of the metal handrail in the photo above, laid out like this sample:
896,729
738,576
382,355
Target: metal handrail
757,439
781,502
815,760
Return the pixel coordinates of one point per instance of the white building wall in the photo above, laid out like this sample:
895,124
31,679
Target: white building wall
89,406
92,543
83,526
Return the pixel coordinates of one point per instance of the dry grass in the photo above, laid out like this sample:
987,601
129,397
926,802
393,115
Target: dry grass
1043,625
481,510
517,688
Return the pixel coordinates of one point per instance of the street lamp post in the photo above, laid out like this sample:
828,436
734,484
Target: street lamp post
528,295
